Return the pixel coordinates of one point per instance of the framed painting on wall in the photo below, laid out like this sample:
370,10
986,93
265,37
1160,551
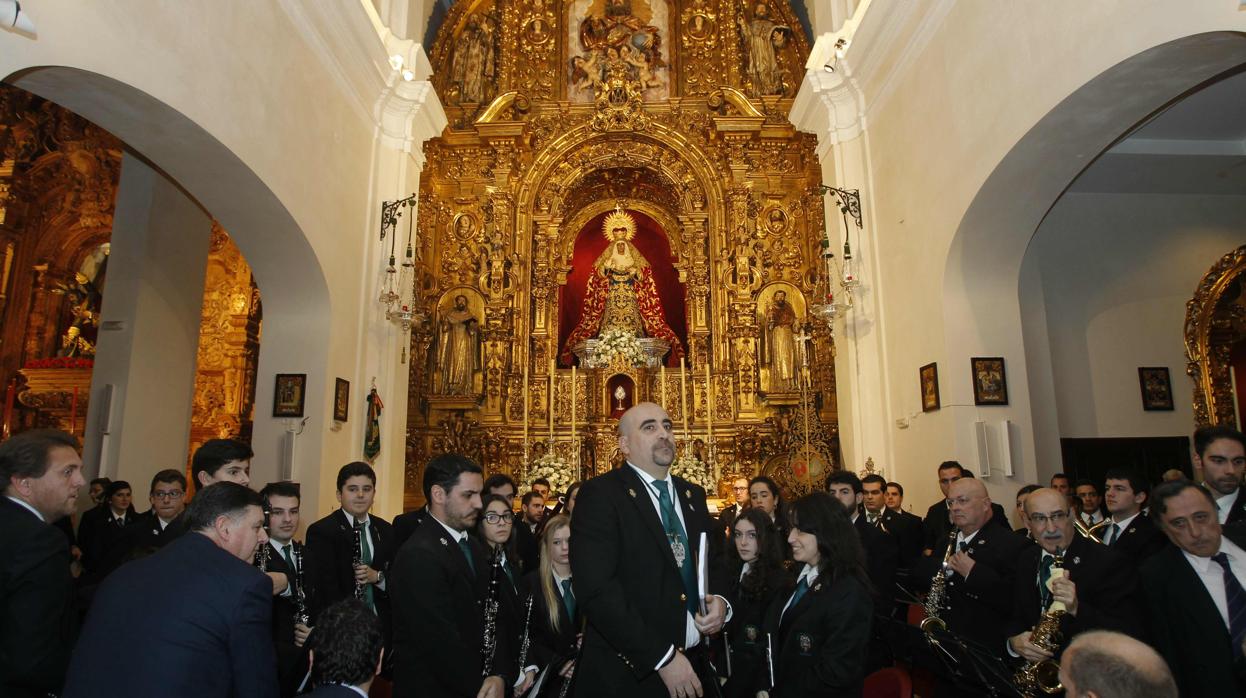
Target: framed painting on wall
289,394
990,383
341,400
1156,388
930,387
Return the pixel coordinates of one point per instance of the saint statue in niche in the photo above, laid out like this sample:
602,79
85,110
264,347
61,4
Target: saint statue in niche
472,70
763,39
458,350
621,292
781,343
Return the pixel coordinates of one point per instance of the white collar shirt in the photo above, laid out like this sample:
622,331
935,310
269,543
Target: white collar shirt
1211,574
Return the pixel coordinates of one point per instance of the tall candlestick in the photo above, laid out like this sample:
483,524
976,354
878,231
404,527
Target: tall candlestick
550,405
9,394
73,412
575,452
662,385
526,400
709,401
683,392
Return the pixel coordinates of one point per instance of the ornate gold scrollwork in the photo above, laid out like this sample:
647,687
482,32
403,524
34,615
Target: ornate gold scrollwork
1214,318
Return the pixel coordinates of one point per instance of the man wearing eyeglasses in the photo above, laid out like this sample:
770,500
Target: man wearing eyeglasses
163,522
739,490
1097,588
938,518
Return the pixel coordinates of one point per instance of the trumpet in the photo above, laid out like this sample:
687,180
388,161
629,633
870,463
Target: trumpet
357,560
1090,532
1043,677
936,598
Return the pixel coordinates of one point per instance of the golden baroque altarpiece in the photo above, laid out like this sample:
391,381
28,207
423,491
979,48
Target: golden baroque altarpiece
578,128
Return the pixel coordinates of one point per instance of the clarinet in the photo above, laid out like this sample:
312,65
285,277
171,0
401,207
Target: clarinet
489,644
357,560
301,617
261,555
523,646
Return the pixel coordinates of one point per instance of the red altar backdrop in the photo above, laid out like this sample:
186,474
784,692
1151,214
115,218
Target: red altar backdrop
652,243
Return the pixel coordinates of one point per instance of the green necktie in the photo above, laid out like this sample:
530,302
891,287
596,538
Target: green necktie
1114,532
285,552
365,552
1044,575
801,588
467,553
679,543
568,599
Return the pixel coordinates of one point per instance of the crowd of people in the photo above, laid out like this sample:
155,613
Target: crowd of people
625,585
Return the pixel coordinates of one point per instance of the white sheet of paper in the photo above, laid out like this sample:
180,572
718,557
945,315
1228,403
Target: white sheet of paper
703,575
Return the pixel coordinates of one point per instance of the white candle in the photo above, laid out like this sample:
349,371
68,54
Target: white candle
525,414
683,392
662,384
549,404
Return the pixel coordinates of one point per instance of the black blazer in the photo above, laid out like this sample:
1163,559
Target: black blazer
1141,540
405,524
907,529
546,645
936,525
1185,625
439,617
627,583
291,659
819,645
980,606
1238,513
204,616
330,551
882,554
746,633
36,604
1107,591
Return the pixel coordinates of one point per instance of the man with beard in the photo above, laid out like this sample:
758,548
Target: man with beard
1221,453
633,558
441,576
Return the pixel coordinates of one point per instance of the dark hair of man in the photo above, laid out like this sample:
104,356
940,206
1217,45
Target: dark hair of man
1059,476
217,500
898,486
1108,675
1206,436
347,642
967,474
875,478
511,546
1086,483
355,469
101,481
1136,482
1168,490
949,464
1028,489
845,477
839,546
528,497
284,488
540,481
764,571
444,471
168,477
25,455
214,453
498,480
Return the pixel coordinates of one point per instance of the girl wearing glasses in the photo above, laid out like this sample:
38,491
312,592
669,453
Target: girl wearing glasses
495,527
755,576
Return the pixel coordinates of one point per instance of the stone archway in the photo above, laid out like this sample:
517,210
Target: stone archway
1215,321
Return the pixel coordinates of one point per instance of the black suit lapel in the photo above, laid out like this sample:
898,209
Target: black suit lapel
692,517
799,608
637,492
1202,609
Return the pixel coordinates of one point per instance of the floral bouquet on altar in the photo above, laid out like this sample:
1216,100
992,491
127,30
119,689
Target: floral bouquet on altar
616,342
688,467
553,468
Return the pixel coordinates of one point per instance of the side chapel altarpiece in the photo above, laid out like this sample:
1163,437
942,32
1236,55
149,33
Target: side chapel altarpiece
619,189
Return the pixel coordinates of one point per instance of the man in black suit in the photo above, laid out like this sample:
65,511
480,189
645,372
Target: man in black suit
441,577
739,490
205,628
41,474
286,555
981,569
1092,502
1196,604
905,527
165,521
1025,523
936,526
332,543
346,652
1131,532
1220,452
633,557
882,552
1098,588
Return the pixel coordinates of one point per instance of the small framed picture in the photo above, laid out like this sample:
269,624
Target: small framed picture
1156,388
290,395
990,383
930,387
341,400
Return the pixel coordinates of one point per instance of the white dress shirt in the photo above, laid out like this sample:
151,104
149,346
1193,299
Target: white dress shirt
1212,574
1122,526
367,528
1224,505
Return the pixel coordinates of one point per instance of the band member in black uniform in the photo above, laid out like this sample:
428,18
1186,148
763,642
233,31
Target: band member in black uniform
981,567
937,524
755,576
554,621
881,548
819,634
1131,532
739,490
763,494
495,529
441,579
1098,589
285,555
633,554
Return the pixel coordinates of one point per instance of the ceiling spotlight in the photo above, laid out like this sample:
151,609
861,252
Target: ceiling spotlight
13,19
395,62
408,75
829,67
841,47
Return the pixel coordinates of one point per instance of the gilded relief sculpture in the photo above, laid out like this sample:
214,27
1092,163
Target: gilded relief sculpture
764,39
781,343
458,350
473,70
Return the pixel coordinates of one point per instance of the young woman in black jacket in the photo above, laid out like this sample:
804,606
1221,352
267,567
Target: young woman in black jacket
756,575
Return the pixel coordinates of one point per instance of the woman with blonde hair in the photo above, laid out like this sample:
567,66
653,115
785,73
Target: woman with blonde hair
554,628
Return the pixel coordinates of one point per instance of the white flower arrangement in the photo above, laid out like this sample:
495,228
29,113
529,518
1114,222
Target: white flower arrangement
616,342
691,469
554,469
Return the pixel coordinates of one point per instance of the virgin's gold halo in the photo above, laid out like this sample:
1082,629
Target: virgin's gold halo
619,225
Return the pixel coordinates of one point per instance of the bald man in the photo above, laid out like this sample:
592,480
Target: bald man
1104,664
981,569
633,559
1098,591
